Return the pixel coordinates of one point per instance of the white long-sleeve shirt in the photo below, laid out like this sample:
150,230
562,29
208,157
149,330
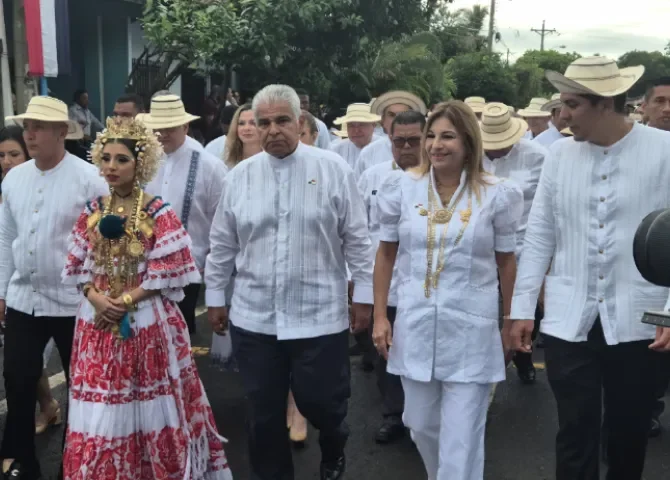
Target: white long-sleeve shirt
175,183
589,204
549,136
323,140
523,165
379,151
290,226
38,212
217,147
346,149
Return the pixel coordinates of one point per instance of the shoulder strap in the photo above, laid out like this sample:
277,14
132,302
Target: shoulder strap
190,188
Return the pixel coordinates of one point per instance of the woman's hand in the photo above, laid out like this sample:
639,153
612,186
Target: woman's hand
382,336
108,312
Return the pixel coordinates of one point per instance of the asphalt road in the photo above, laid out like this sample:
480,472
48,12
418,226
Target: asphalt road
522,425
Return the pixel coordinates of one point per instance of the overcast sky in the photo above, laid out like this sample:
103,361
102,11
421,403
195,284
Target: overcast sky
607,27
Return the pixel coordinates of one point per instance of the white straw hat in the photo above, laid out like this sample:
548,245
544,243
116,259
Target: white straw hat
534,108
167,111
48,109
499,128
552,104
358,112
595,76
476,104
397,96
342,132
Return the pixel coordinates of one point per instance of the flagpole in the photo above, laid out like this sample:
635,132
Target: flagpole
5,80
44,88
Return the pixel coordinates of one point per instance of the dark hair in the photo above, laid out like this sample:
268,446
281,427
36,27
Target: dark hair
311,122
226,114
78,93
302,92
129,143
132,98
410,117
661,82
14,132
619,101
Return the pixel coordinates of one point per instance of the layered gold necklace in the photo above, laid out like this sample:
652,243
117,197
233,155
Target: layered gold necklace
441,216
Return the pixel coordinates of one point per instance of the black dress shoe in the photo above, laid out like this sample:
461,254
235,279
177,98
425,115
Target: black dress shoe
655,429
333,470
15,472
391,430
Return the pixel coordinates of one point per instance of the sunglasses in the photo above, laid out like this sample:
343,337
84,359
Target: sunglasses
413,142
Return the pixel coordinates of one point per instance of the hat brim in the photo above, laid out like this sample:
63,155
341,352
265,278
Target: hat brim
534,113
477,108
398,97
567,131
161,123
74,130
551,105
357,118
629,77
340,133
508,138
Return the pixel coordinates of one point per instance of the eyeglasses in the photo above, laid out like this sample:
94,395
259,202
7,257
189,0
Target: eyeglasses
413,142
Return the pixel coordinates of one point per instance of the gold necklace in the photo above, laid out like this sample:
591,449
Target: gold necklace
441,216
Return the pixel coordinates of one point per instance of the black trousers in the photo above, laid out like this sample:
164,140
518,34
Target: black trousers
580,373
188,304
390,386
26,336
662,384
317,371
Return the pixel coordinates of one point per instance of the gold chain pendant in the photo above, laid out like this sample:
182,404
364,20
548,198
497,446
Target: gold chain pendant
136,249
442,216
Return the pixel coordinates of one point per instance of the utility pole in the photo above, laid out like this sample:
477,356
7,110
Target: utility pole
20,51
542,33
492,15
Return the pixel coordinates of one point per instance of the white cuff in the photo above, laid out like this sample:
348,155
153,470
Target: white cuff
215,298
523,306
363,294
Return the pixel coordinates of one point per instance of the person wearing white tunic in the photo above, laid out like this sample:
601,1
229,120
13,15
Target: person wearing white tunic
406,131
506,155
290,218
556,128
360,130
451,228
190,179
387,106
594,191
537,119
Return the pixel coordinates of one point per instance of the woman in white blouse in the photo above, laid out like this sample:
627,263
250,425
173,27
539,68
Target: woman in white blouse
451,227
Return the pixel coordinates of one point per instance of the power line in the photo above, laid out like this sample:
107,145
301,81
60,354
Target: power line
542,33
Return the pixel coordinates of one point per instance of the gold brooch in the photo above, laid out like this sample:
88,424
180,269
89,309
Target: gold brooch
136,249
442,216
465,215
423,212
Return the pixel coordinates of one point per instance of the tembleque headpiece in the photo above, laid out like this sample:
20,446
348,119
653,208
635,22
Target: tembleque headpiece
148,150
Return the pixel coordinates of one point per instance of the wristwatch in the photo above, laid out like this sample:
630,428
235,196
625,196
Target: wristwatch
128,301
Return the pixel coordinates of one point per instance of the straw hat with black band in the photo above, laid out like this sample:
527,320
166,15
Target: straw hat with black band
167,111
500,130
598,76
534,109
51,110
358,113
396,97
553,104
476,104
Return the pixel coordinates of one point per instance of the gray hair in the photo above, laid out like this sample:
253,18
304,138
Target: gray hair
277,94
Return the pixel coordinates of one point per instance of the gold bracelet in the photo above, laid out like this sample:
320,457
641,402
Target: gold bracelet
128,300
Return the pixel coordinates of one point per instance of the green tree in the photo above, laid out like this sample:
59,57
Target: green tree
483,74
460,31
545,60
656,65
530,80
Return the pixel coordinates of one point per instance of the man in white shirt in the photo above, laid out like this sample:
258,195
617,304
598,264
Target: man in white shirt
405,133
291,218
594,191
42,200
508,155
190,179
537,119
324,135
360,125
388,106
556,124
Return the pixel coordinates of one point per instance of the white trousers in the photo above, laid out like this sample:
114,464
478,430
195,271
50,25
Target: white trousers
448,422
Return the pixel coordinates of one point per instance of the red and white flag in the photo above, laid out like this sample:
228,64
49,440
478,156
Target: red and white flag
48,37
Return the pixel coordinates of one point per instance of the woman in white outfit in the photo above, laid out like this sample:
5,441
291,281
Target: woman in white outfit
451,228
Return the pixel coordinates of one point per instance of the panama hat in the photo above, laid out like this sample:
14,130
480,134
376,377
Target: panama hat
595,76
552,104
476,104
358,112
567,132
534,108
167,111
499,128
397,96
342,132
49,109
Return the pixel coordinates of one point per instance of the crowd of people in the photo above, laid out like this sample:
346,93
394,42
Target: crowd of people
445,241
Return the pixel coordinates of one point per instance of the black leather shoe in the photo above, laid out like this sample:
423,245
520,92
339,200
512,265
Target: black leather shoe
527,375
15,472
655,429
391,430
333,470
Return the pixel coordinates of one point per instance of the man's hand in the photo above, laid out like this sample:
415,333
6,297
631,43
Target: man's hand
521,335
662,342
382,336
218,319
3,309
361,315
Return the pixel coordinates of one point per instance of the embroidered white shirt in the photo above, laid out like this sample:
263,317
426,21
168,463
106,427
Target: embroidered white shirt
523,165
549,136
452,336
39,210
346,149
172,184
369,185
290,226
379,151
589,204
